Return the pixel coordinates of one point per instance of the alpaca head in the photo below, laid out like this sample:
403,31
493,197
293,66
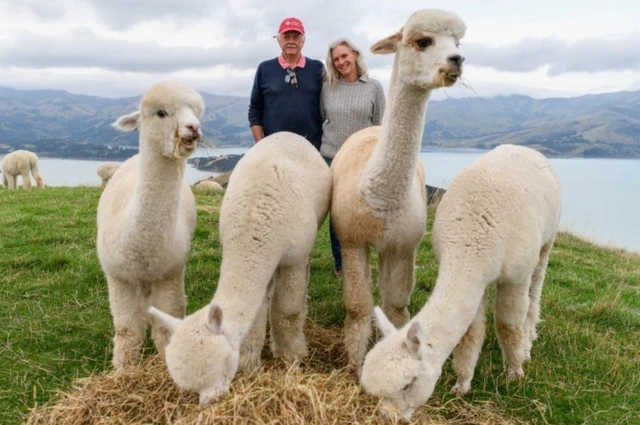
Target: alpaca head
427,53
201,355
395,370
168,119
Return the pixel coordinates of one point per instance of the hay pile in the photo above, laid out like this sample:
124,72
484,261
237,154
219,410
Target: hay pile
319,393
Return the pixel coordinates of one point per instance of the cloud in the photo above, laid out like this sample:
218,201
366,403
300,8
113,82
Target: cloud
595,54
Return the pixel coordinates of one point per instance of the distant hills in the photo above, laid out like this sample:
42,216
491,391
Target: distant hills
58,123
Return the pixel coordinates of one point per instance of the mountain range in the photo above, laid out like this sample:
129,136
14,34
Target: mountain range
59,123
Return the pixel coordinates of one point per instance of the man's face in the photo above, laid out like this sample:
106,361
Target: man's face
291,43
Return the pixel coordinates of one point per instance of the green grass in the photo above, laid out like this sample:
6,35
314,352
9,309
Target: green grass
56,324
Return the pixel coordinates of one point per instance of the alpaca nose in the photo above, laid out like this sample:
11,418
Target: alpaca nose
456,60
194,128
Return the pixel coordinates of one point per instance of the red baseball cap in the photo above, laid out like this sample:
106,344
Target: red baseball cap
291,24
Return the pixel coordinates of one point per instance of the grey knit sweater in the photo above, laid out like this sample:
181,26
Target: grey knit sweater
346,108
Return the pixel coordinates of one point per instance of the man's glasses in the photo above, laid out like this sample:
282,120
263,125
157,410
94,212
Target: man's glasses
291,78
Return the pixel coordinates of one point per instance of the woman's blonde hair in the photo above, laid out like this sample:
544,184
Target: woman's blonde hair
333,75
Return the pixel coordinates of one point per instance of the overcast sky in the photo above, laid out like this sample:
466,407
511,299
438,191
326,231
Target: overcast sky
119,48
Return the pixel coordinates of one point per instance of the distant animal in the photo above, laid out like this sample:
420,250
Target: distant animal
277,198
207,186
147,216
496,223
379,197
106,171
22,163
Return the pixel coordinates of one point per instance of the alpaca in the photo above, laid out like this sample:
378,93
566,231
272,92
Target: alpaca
17,163
147,216
496,223
207,186
277,198
106,171
379,196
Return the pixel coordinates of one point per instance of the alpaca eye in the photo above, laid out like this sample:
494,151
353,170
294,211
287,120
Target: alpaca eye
161,113
423,43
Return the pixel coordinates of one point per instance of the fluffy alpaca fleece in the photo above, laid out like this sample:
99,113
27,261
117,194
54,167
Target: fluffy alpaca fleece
146,218
379,196
106,170
23,163
207,186
496,223
277,198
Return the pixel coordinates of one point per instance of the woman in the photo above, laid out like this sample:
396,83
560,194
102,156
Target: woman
349,102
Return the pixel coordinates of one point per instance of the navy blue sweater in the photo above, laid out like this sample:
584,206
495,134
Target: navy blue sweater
277,106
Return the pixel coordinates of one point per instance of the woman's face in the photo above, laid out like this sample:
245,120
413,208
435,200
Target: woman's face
344,59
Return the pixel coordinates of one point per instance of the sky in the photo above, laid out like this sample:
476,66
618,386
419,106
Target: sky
118,48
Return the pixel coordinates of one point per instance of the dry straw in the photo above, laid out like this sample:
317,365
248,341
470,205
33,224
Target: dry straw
320,392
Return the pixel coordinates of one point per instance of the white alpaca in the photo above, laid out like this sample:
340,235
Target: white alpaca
379,196
106,170
207,186
146,218
23,163
277,198
496,223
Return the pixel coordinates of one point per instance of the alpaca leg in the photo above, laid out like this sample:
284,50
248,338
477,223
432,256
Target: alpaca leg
512,304
396,287
167,296
5,181
533,315
288,313
251,348
128,309
26,177
11,181
466,353
358,303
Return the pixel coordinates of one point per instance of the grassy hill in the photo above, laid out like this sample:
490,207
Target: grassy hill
57,327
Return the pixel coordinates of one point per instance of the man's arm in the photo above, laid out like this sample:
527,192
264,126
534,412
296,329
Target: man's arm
256,105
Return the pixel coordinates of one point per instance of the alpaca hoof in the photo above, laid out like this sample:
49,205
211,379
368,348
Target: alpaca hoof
516,373
461,388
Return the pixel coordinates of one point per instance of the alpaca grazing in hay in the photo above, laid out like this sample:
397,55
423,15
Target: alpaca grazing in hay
22,163
496,223
277,198
379,194
147,216
105,171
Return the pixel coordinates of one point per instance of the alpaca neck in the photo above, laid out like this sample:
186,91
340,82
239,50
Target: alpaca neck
242,289
156,197
448,314
388,176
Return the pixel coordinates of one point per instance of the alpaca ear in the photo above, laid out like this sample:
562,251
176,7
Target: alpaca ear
128,122
384,324
214,319
387,45
168,321
413,340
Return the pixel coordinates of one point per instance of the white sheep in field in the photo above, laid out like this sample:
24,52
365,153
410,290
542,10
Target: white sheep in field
147,216
207,186
496,223
277,198
23,163
106,170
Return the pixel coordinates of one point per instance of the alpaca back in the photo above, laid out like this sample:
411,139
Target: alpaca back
279,195
509,200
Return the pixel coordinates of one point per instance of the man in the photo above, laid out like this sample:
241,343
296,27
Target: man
286,90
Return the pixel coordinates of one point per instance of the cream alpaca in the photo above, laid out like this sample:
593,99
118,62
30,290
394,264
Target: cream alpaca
146,218
106,170
17,163
207,186
379,194
496,223
277,198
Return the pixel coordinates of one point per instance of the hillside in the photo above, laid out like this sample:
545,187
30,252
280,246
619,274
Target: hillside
606,125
